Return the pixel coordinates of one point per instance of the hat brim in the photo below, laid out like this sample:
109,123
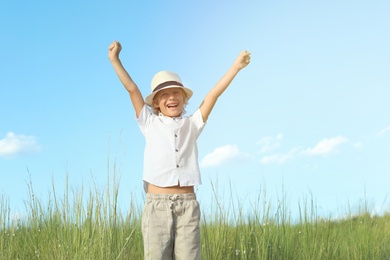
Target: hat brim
149,98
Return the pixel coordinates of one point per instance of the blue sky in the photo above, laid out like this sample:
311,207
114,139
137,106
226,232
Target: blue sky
308,117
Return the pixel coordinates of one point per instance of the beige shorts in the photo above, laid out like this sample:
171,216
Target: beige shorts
170,227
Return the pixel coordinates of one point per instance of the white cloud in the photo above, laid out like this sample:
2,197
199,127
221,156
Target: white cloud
224,154
270,143
326,146
384,131
281,158
14,144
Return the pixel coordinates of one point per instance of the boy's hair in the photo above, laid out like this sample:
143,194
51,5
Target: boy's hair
157,110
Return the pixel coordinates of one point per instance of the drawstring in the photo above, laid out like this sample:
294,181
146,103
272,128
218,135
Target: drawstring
173,199
174,202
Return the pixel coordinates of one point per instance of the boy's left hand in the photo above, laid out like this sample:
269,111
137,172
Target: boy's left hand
243,59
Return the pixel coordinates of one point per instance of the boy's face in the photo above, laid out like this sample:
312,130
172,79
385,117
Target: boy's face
170,102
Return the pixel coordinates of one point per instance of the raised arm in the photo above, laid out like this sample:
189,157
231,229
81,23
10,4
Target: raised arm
135,94
211,98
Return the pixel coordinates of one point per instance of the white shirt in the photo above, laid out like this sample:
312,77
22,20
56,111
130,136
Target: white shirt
171,153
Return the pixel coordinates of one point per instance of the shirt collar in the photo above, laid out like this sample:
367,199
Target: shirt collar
175,118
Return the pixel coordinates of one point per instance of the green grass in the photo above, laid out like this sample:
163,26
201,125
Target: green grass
90,225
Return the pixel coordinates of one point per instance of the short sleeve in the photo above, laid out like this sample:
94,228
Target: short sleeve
197,121
144,118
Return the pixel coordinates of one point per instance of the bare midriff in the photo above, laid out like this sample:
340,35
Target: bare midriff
170,190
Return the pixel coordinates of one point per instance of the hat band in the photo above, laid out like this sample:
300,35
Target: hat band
167,83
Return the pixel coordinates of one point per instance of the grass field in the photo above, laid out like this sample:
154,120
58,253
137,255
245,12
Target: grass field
75,226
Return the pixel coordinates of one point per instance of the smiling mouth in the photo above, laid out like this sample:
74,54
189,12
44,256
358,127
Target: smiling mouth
172,105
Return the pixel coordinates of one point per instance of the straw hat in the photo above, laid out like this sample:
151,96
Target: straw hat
163,80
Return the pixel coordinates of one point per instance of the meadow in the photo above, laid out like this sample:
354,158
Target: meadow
90,225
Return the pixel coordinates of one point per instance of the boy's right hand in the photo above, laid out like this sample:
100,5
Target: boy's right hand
113,51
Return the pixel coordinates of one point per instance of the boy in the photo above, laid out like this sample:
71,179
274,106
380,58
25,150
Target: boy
170,221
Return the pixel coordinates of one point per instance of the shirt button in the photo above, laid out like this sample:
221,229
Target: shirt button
177,150
175,135
177,166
